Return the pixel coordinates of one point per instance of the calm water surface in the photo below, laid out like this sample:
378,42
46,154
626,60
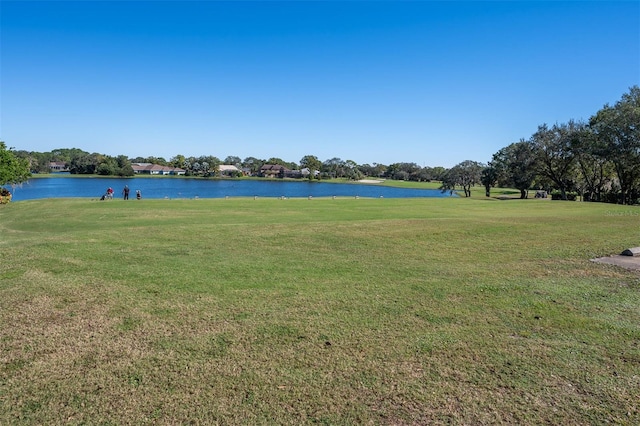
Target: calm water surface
167,187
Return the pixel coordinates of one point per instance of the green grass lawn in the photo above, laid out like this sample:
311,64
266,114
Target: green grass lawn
369,311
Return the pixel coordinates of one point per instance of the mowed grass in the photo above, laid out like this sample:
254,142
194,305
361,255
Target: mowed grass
369,311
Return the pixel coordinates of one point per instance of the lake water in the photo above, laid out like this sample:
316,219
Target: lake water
167,187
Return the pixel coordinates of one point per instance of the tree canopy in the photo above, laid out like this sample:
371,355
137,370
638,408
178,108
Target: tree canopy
13,170
466,174
516,166
617,132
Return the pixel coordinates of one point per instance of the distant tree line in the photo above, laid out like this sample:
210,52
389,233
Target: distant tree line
599,160
82,162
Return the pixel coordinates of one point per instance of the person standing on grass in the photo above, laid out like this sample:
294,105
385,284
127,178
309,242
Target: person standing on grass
125,192
138,194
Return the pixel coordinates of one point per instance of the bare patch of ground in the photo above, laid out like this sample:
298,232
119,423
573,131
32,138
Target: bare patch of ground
370,181
627,262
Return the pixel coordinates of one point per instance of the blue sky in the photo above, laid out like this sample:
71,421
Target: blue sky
434,83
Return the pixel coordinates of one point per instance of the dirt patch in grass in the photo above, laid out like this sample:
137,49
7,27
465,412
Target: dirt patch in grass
627,262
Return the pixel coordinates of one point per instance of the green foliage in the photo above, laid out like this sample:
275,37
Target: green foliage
617,136
489,178
597,159
106,169
253,164
311,162
104,165
66,155
13,170
280,162
516,166
466,174
153,160
402,171
86,164
126,170
375,170
557,160
568,196
333,168
409,172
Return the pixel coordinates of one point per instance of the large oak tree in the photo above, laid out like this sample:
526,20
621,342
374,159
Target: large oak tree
617,131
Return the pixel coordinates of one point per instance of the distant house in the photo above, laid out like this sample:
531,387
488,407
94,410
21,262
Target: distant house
155,169
273,170
306,172
140,168
58,166
293,174
227,169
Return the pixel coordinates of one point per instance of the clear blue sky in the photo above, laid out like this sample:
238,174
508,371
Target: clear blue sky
434,83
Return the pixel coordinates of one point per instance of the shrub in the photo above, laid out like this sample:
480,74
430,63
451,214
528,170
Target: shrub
557,195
